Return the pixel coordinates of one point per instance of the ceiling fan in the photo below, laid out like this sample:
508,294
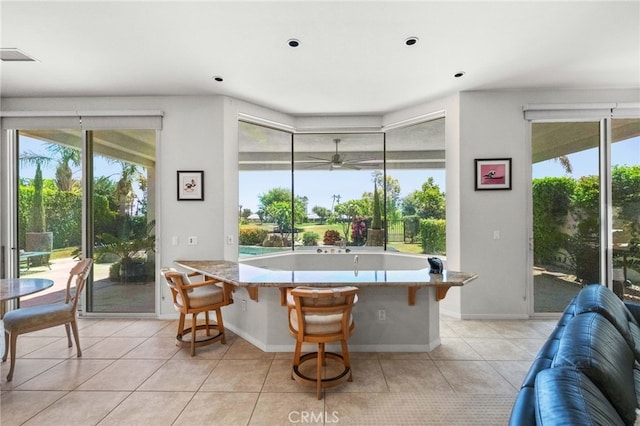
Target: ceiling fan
336,161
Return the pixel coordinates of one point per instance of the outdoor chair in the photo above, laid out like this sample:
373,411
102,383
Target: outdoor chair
34,318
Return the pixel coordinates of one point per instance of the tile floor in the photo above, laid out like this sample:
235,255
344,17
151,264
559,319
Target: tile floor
131,373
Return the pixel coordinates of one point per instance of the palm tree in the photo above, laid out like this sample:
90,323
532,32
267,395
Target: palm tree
336,200
124,188
565,163
64,155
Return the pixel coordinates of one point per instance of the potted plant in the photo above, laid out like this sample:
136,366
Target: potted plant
132,254
37,239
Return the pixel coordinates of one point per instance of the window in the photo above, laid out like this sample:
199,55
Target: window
373,191
586,181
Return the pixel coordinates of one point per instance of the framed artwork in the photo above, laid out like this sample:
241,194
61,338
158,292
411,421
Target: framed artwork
190,185
493,173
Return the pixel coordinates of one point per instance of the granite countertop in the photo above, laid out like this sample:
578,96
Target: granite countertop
244,275
253,278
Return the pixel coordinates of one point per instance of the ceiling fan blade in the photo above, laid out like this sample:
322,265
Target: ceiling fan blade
349,166
311,165
361,160
324,160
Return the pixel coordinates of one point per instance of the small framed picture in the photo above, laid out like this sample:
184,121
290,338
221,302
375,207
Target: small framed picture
190,185
493,173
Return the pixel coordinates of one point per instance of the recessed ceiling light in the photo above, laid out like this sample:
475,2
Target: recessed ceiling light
218,78
293,42
459,74
411,41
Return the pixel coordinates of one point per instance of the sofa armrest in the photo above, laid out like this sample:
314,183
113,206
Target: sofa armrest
523,412
634,308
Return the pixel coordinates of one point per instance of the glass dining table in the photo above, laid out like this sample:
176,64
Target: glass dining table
15,288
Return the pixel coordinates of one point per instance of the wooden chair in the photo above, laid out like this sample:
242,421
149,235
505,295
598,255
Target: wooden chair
34,318
192,298
321,315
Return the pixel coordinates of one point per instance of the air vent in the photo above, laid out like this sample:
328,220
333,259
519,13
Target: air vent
14,55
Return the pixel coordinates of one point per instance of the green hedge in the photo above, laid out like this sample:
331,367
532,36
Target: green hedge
433,236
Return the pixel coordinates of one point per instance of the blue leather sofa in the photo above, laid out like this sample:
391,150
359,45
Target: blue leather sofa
588,370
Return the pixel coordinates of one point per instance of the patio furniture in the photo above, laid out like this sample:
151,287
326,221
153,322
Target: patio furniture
27,259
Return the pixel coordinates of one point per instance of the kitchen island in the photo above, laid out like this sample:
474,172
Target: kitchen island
390,316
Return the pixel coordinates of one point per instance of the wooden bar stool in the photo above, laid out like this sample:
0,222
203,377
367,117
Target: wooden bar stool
321,315
194,298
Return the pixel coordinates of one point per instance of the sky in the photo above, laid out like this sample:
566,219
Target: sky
585,163
28,171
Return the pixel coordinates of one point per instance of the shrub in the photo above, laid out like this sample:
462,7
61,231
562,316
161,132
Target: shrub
330,237
251,235
411,227
551,204
433,235
358,230
310,238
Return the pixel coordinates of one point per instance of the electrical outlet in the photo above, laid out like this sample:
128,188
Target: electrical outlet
192,241
382,315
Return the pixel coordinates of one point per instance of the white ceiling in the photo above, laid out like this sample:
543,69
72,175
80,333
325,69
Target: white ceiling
352,58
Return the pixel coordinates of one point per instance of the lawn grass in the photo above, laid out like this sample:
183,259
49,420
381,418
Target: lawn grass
62,253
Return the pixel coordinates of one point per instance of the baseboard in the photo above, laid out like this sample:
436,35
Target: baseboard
494,317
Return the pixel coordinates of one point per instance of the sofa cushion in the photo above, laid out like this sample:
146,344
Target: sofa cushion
592,345
598,298
565,396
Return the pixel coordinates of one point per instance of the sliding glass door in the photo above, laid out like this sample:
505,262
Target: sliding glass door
89,193
625,195
49,196
566,211
586,215
122,221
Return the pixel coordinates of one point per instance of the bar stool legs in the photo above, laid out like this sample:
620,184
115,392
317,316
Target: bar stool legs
321,356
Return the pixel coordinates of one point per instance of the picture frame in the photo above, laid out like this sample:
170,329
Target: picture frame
190,185
493,174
